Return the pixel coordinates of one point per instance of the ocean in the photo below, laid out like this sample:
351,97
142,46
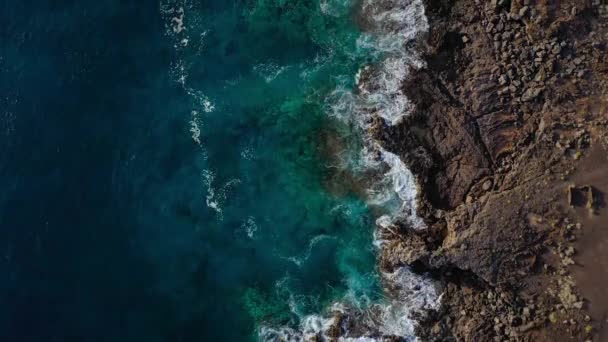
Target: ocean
201,170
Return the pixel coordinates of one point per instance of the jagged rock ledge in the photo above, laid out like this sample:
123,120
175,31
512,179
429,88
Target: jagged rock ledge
512,99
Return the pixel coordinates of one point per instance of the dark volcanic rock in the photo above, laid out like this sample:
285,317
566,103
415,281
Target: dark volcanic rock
495,132
452,140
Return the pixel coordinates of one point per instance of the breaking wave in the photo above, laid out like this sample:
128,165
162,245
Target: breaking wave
394,25
408,293
391,28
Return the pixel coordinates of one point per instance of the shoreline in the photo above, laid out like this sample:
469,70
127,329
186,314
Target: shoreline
393,29
508,108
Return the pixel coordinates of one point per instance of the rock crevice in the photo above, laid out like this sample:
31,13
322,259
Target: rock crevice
512,96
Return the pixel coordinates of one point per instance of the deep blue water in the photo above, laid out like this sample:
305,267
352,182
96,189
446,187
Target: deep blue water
116,225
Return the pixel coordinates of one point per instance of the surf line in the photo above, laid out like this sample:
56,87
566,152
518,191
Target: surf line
391,26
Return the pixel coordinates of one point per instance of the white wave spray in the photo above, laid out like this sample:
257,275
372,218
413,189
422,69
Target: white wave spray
391,26
183,29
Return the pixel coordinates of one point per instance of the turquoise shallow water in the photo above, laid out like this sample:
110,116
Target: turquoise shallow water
170,171
282,237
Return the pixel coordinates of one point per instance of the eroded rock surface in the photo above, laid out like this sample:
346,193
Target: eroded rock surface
513,95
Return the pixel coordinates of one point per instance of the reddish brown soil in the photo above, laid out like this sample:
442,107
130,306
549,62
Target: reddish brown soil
591,269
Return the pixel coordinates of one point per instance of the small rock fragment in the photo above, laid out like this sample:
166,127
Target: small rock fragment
553,317
531,94
487,185
567,261
523,11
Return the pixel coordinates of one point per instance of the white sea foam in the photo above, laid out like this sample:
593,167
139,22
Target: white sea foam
177,22
177,25
216,197
195,129
398,185
250,227
248,153
270,71
188,36
393,25
212,201
201,100
343,105
335,8
174,12
382,93
407,294
299,260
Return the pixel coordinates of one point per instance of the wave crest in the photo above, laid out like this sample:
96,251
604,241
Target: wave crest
392,25
407,293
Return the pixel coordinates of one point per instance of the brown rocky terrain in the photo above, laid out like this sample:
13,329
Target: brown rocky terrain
509,141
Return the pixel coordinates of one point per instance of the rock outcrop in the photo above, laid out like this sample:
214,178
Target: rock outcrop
513,94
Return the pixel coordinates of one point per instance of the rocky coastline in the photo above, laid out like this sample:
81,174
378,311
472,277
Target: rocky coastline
509,142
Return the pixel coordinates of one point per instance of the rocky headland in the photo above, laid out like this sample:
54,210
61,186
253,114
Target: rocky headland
509,143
